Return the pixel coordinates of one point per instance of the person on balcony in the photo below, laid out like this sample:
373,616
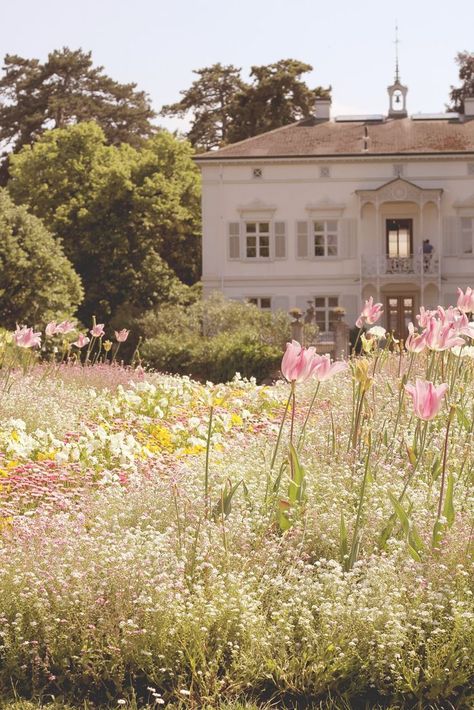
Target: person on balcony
428,250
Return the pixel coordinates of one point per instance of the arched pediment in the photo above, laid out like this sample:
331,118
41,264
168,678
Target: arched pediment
399,190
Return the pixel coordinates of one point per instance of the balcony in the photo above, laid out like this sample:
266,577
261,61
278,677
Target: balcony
422,265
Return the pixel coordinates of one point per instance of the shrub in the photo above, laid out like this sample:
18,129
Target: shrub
37,282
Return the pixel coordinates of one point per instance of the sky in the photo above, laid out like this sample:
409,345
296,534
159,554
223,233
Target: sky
158,43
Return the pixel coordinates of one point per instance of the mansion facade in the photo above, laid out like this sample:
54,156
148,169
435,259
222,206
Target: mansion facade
329,211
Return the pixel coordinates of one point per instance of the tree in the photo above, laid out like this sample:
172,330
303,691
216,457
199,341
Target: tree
225,109
37,282
465,61
209,99
67,89
119,212
276,98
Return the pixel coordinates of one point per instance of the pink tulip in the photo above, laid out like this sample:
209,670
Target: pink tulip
424,317
441,337
298,363
370,313
65,327
51,328
25,337
466,300
97,331
415,343
427,398
121,335
81,341
324,369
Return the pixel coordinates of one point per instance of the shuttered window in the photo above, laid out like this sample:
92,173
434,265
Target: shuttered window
302,240
234,240
325,237
467,234
280,240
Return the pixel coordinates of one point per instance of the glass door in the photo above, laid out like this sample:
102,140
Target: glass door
400,311
399,238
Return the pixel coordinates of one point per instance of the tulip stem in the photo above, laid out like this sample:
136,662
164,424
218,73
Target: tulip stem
445,455
272,464
206,468
303,428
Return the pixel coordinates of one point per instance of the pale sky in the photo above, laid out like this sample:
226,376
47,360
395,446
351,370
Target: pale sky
157,43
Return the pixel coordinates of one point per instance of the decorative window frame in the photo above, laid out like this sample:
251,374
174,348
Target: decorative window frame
464,210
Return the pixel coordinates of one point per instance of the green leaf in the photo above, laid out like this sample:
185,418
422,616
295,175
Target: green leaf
401,515
448,507
297,484
282,515
463,421
224,506
438,529
436,468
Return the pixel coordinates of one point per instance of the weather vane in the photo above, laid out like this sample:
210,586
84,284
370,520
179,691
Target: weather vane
397,42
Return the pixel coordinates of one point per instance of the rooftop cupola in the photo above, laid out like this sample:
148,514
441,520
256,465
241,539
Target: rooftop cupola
397,92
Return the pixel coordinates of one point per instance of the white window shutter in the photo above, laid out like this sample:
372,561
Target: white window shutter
234,240
450,238
347,247
280,303
302,246
280,240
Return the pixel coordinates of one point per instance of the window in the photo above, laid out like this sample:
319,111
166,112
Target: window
325,237
467,234
263,302
397,170
324,171
257,240
257,172
324,312
399,238
470,168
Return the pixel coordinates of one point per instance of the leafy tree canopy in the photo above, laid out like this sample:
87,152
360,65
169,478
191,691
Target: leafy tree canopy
465,61
225,109
126,217
67,89
37,282
209,99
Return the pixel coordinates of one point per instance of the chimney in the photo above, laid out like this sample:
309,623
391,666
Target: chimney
469,107
322,109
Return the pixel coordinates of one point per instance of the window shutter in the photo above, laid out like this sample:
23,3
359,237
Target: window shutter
280,303
234,240
347,247
280,240
302,240
450,237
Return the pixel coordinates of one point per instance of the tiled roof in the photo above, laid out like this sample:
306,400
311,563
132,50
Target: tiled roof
400,136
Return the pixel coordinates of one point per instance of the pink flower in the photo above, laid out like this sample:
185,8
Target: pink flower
370,313
324,369
51,328
415,342
441,337
97,331
424,317
65,327
427,398
81,341
466,300
25,337
298,363
121,335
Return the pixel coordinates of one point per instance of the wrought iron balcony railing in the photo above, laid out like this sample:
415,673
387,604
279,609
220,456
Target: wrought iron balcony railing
422,265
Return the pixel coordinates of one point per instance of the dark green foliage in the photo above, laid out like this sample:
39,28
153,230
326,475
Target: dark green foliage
225,109
37,282
213,339
124,215
66,89
465,61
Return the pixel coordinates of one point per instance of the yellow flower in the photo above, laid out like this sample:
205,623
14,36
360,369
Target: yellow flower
107,345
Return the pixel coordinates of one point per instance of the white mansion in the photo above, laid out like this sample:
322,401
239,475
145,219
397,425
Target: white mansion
330,211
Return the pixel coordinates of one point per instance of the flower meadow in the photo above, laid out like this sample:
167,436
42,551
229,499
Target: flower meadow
165,542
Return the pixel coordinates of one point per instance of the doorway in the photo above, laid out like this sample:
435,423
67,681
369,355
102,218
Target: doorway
400,311
399,238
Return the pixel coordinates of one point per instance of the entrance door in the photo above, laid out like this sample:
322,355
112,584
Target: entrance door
400,311
399,238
